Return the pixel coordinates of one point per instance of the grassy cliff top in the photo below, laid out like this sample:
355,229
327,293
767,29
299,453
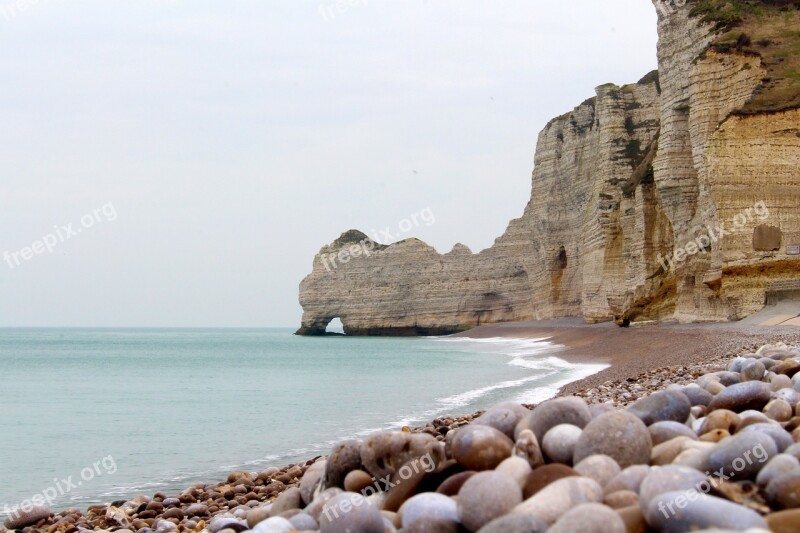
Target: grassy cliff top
768,28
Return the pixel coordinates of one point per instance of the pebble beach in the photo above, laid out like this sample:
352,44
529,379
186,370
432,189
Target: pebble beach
709,439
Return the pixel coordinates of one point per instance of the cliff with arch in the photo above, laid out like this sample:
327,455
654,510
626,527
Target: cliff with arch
622,185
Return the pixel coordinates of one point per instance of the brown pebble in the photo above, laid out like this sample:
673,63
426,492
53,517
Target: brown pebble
621,499
714,435
452,485
174,512
784,521
720,419
544,475
357,480
633,518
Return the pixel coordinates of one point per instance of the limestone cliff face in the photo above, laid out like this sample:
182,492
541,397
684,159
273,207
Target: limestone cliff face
624,188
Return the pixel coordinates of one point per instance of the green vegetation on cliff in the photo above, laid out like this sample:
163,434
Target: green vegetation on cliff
769,29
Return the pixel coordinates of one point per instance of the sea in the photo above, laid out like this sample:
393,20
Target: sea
97,415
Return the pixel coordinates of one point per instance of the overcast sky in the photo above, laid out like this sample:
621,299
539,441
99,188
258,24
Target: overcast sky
185,159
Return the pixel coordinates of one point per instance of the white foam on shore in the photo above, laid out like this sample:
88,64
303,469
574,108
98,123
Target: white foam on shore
530,354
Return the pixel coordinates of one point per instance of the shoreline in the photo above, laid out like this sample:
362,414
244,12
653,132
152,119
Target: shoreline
631,352
642,360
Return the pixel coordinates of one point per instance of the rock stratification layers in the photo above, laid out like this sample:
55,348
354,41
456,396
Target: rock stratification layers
670,198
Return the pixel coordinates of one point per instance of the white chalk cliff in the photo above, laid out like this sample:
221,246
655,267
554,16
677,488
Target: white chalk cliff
636,208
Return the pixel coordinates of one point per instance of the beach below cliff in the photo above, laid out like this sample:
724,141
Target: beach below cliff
633,351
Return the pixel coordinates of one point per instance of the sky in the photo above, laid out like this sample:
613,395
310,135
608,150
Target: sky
178,163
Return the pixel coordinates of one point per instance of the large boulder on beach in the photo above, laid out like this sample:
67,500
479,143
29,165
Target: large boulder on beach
26,515
668,405
619,435
569,410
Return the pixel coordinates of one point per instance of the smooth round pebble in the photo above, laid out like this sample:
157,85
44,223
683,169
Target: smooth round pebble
503,417
629,479
303,522
620,435
621,499
600,468
344,457
779,410
311,480
664,431
429,505
547,415
779,436
742,396
662,406
26,516
276,524
675,512
589,518
559,443
357,480
550,503
742,455
349,511
515,523
544,476
384,453
777,466
662,479
784,491
518,468
697,395
486,496
480,447
753,370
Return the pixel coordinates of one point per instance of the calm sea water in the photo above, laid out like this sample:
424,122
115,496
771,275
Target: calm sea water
106,414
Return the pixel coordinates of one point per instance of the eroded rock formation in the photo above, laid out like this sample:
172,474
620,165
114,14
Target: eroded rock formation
649,201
